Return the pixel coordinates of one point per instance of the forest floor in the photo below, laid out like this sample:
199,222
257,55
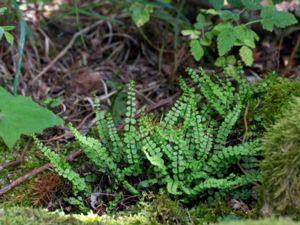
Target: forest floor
66,64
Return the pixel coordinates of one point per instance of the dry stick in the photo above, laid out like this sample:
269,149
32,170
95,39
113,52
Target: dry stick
36,171
292,56
65,50
19,160
73,155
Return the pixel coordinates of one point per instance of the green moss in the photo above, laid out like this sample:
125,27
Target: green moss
31,216
281,164
273,221
33,159
170,211
269,100
22,194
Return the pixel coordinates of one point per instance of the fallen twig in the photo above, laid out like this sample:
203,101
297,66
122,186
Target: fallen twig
19,160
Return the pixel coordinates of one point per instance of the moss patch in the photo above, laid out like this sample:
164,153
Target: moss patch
269,100
281,164
273,221
31,216
24,195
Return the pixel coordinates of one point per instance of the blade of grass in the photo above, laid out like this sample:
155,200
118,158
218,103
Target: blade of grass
21,46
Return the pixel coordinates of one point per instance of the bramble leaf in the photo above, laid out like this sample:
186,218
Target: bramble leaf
140,13
252,4
226,40
229,15
272,18
217,4
246,35
196,49
246,55
20,115
237,3
193,34
200,21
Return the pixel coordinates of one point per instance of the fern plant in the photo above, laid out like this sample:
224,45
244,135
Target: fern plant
187,152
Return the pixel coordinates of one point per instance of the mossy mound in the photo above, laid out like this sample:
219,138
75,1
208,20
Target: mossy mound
280,221
281,164
169,211
268,102
28,216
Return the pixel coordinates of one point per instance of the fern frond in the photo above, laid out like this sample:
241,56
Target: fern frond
176,112
221,184
95,151
210,90
228,156
101,123
62,167
116,143
226,127
131,134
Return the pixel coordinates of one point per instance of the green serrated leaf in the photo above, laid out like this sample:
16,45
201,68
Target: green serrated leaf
140,13
20,115
207,40
245,35
225,41
252,4
222,26
221,61
236,3
272,18
200,21
246,55
9,38
231,60
229,15
210,12
196,49
217,4
193,34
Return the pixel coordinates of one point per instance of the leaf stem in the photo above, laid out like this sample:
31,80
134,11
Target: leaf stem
252,22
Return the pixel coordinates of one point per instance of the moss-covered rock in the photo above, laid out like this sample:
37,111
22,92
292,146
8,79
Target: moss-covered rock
268,102
281,164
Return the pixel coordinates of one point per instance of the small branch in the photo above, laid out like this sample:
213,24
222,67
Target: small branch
36,171
245,119
19,160
253,22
